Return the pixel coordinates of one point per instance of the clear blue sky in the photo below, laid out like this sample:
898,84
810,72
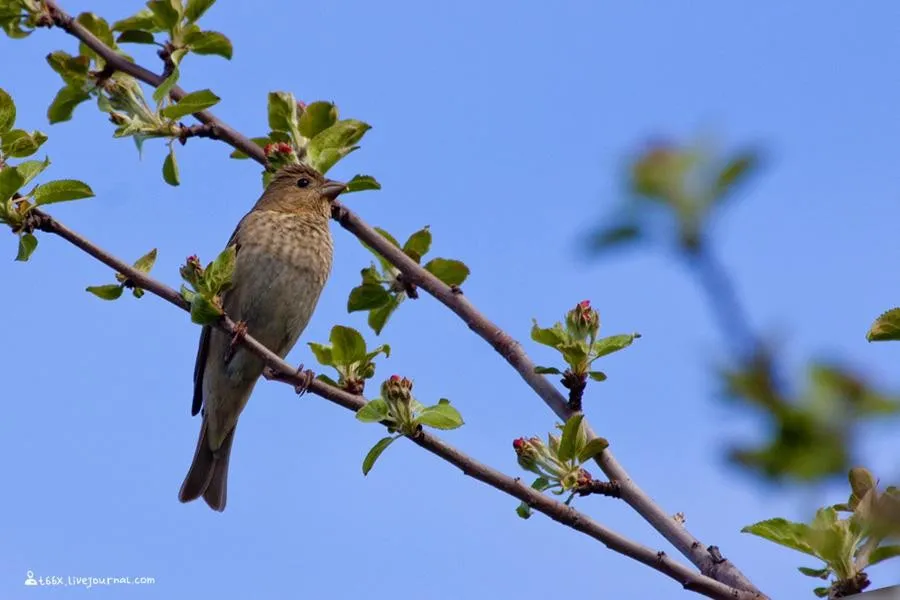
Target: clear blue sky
504,126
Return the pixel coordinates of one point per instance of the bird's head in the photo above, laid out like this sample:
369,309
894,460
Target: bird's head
300,189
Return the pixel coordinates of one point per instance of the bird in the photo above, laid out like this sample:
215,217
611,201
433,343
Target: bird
284,254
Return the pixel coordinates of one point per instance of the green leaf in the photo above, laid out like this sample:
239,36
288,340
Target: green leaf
142,21
613,343
592,449
861,481
332,144
27,244
451,272
886,327
374,453
282,111
259,141
554,336
218,275
61,190
328,380
195,9
165,16
883,553
10,182
370,275
64,103
785,533
524,511
734,173
98,26
30,169
322,353
374,411
361,183
316,118
324,160
72,69
575,353
818,573
190,104
821,592
7,112
378,317
106,292
547,371
597,375
170,171
146,262
615,236
384,348
210,42
19,143
203,312
440,416
568,445
418,244
367,297
386,235
135,36
347,345
162,91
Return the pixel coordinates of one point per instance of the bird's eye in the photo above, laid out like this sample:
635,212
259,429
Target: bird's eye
302,182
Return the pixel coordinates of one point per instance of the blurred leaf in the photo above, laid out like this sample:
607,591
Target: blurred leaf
367,297
418,244
135,36
164,14
7,112
195,9
317,117
27,244
322,353
440,416
554,336
734,173
64,103
783,532
106,292
384,233
146,262
451,272
597,375
219,274
547,371
374,411
98,26
72,69
190,104
162,90
378,317
613,343
883,553
61,190
568,445
361,183
524,511
861,481
616,236
821,592
203,312
822,573
374,453
886,327
170,168
19,144
210,42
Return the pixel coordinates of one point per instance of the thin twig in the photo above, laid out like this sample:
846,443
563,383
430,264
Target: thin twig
414,274
281,371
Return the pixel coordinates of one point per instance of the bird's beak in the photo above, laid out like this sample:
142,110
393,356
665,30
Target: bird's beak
330,189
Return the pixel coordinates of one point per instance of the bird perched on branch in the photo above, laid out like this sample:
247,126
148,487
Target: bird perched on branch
283,258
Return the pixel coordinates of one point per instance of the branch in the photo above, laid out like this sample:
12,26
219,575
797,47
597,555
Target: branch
414,274
282,371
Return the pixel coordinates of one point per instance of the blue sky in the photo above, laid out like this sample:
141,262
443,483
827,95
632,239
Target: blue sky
504,126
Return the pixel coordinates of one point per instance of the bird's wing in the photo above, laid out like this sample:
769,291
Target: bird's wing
203,348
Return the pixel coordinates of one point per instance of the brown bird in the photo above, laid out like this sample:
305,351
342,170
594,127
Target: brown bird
284,255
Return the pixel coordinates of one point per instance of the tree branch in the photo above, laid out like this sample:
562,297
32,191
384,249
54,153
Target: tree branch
414,274
282,371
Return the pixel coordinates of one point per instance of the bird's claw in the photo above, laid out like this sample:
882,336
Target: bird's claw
240,330
307,377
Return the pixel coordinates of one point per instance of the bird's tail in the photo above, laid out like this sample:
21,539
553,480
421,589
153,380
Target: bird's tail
208,475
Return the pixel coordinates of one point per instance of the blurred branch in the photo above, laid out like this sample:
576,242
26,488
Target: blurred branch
282,371
723,571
